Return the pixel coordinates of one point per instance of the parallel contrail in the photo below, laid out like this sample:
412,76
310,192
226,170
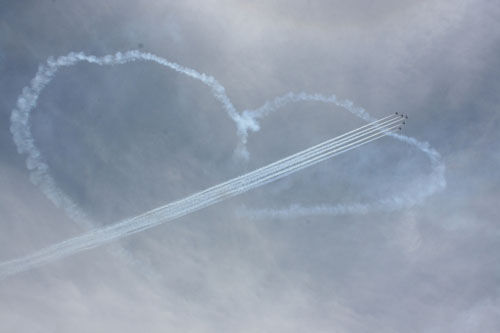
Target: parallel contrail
202,199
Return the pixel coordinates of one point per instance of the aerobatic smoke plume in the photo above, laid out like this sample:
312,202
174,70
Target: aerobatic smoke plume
210,196
245,121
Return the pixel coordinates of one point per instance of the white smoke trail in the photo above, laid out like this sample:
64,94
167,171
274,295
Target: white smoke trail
245,121
197,201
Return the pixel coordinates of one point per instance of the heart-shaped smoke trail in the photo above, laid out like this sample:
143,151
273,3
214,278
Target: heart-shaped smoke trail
245,121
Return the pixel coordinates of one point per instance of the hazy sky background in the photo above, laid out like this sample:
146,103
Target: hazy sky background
121,140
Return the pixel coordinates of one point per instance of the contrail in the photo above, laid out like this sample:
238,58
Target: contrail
247,120
202,199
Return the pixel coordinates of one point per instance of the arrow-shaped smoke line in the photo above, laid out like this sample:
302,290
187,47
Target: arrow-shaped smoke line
190,204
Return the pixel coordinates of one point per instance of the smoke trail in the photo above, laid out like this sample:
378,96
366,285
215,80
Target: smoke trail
245,121
197,201
413,196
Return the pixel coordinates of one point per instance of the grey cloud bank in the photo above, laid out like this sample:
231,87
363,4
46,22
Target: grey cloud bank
124,140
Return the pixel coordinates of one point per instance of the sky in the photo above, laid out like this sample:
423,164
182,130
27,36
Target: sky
121,140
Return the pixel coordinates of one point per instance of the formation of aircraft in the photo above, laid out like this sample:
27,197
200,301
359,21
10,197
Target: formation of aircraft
404,116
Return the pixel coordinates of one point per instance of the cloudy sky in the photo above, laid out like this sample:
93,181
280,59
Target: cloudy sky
120,140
